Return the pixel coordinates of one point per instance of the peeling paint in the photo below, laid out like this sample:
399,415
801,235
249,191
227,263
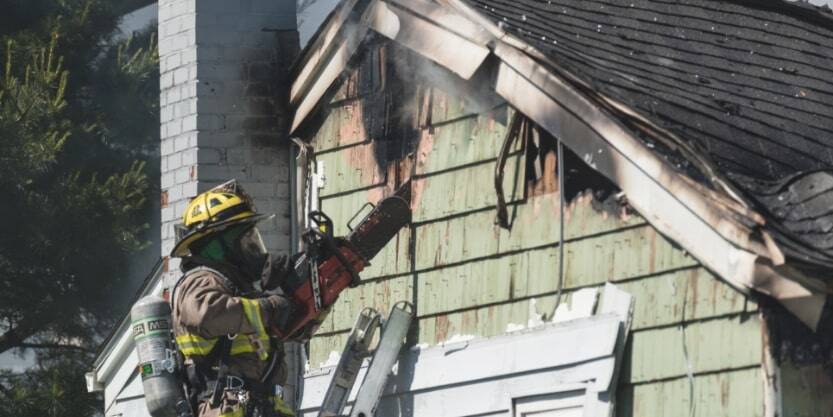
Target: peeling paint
469,277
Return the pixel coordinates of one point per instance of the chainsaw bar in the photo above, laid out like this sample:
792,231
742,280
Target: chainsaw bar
381,225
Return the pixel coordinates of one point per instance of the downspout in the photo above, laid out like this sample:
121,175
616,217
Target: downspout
295,353
293,199
299,175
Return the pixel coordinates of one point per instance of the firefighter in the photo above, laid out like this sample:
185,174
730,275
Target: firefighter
221,322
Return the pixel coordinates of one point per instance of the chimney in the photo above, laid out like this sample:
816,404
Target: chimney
224,107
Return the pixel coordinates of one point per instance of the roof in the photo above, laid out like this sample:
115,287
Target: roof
747,86
724,151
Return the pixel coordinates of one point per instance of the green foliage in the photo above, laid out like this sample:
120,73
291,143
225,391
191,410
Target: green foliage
79,125
52,389
31,124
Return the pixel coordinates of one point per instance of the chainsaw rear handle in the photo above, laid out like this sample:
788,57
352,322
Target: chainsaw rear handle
321,222
322,230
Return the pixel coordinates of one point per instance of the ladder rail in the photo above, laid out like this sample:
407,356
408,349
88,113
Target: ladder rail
391,342
355,351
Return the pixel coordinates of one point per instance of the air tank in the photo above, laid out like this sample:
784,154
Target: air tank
151,322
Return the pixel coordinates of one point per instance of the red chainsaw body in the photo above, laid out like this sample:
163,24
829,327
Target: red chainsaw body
337,260
333,278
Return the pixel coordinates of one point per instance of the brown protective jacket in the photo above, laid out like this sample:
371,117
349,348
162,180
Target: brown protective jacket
206,308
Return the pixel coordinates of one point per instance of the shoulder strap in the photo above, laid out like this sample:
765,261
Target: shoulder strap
220,354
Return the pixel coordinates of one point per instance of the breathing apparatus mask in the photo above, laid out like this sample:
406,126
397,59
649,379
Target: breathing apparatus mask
255,259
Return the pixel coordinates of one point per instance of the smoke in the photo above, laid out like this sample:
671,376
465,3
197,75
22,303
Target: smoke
476,94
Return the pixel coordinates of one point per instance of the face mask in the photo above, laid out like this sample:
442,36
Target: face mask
253,252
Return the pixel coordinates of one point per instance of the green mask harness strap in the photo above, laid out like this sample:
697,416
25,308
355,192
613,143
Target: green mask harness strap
219,248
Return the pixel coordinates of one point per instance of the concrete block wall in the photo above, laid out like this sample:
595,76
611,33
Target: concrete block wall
224,106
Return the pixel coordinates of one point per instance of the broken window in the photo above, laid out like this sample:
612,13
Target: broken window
542,170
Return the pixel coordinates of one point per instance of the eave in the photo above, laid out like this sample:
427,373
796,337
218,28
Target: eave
714,226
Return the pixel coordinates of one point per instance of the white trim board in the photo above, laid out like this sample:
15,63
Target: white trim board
484,376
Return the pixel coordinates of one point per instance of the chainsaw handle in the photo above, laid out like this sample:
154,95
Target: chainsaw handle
321,222
360,211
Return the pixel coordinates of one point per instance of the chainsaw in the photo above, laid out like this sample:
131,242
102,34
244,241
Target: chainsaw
328,264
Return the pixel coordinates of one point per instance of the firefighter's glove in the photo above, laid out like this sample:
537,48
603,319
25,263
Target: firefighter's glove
276,271
282,311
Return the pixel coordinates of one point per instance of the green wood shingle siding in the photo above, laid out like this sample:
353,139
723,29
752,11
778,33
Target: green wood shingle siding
726,394
341,128
688,294
711,345
469,140
351,168
467,276
468,189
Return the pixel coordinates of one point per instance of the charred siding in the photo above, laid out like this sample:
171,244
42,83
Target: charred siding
468,276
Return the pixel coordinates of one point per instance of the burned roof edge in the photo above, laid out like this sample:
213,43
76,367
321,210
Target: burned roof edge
818,15
727,239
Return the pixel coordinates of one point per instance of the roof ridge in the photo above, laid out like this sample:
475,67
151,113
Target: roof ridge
801,9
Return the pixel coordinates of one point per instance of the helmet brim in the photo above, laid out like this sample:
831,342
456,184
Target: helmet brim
182,247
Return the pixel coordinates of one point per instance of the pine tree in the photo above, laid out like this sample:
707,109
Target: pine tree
78,169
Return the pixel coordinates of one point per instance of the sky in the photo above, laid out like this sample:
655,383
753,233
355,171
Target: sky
314,16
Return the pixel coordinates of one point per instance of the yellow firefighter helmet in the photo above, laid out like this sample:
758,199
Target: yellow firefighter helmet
213,211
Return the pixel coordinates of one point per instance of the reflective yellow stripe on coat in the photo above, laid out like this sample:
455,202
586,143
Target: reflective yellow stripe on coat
192,345
258,342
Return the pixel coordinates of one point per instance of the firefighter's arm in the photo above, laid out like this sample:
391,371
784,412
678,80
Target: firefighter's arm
207,308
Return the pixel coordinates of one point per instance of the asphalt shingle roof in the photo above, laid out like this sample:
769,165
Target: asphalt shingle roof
749,85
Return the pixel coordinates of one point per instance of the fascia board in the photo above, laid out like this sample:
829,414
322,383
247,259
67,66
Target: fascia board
431,36
322,44
328,70
115,358
446,19
439,35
